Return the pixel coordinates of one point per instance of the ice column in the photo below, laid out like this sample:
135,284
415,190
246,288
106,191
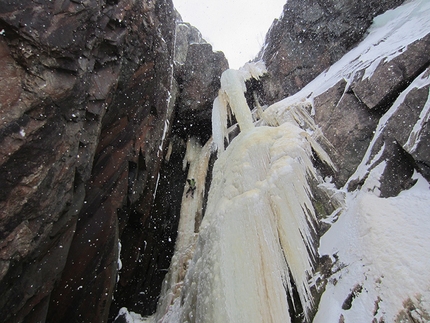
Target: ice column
231,98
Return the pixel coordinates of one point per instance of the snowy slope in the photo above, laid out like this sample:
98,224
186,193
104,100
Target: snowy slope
380,246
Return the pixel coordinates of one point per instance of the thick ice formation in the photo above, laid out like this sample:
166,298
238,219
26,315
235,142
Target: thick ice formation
257,229
255,232
197,158
231,99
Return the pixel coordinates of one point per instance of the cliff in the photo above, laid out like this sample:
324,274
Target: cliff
91,93
310,36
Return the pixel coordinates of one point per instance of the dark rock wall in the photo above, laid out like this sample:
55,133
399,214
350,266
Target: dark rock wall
147,250
87,103
310,36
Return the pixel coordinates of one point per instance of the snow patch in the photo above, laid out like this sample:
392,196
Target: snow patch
383,246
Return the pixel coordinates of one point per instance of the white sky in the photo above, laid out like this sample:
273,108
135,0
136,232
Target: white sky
236,27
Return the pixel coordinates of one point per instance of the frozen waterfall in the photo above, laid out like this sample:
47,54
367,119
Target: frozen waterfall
255,241
257,229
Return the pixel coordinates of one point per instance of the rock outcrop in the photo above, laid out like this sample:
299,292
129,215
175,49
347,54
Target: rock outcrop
309,37
306,40
374,115
348,116
87,105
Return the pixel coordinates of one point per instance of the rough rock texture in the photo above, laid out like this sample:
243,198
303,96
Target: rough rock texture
197,73
199,79
299,47
87,103
310,36
348,116
147,251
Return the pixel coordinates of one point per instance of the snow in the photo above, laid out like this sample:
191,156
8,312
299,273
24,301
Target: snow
415,135
384,246
389,35
380,244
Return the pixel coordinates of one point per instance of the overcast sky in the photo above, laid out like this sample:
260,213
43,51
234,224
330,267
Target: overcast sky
236,27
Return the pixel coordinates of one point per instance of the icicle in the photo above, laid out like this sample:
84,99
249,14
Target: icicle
232,94
253,70
259,112
255,232
219,121
233,84
297,114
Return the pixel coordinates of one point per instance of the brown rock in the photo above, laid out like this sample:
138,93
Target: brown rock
391,76
199,81
348,125
309,37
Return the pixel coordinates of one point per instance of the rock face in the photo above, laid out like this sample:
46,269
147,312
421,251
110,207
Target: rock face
348,116
199,79
87,106
309,37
